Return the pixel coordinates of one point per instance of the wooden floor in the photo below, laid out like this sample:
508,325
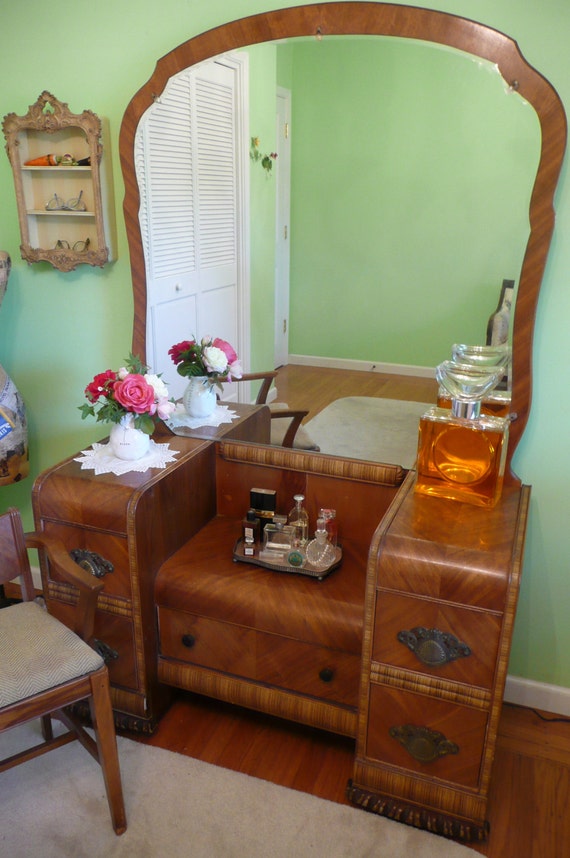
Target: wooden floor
529,805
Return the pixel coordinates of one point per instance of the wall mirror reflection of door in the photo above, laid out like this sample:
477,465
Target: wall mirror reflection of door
192,210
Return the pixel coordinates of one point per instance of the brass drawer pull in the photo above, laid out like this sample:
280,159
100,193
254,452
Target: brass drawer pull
91,562
106,652
326,674
423,744
188,641
432,646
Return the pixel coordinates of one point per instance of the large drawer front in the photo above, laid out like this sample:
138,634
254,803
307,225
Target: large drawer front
271,659
116,634
404,728
472,655
108,546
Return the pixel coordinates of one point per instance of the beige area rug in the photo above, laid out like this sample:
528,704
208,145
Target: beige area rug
365,427
55,807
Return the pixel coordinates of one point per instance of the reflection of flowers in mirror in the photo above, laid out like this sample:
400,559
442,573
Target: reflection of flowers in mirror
256,155
212,357
130,390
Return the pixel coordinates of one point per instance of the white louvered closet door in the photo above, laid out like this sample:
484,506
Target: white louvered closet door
188,183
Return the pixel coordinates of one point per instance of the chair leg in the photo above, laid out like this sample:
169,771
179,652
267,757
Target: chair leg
104,727
47,731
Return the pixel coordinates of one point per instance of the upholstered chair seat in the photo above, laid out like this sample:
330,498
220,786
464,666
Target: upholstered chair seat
38,652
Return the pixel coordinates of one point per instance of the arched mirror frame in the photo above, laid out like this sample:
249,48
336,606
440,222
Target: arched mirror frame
382,19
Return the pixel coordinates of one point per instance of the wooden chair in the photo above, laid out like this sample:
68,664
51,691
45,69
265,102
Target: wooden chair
286,424
45,666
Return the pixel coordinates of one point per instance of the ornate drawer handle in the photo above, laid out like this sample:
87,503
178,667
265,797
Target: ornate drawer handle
106,652
432,646
423,744
188,641
91,562
326,674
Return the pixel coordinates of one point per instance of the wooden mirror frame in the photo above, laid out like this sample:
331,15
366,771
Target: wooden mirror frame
381,19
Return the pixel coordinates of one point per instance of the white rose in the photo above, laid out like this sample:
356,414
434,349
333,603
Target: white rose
215,359
157,384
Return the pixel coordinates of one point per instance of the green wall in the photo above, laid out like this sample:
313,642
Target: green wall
412,171
57,330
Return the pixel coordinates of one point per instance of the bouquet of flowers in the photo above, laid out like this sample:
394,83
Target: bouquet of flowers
210,358
131,390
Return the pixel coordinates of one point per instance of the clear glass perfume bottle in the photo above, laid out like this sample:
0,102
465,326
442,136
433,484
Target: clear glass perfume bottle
495,402
320,553
299,519
461,452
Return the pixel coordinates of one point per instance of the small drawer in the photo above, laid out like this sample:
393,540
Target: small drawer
320,672
436,638
207,643
272,659
110,548
116,636
425,735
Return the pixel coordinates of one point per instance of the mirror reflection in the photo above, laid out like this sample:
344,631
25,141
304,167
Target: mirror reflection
411,170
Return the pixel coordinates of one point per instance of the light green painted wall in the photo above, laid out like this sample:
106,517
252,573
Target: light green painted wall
56,329
412,174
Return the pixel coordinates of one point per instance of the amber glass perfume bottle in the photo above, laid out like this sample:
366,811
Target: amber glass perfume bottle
461,452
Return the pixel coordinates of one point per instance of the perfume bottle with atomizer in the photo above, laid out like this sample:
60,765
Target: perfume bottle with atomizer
495,402
319,552
461,452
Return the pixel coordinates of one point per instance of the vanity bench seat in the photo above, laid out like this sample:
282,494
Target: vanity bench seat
278,642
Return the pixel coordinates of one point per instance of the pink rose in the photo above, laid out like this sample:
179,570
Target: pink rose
135,394
234,370
225,347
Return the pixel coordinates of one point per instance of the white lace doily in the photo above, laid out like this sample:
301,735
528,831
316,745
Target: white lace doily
99,459
180,417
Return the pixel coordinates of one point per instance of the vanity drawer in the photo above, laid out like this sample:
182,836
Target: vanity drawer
418,634
271,659
426,724
109,547
116,634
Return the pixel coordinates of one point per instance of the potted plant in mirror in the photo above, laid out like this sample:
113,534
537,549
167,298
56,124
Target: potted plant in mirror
206,364
131,399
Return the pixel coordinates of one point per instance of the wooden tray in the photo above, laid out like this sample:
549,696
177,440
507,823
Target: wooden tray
307,569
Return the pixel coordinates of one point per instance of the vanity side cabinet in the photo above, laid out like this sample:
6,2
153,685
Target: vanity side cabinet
441,594
122,528
64,197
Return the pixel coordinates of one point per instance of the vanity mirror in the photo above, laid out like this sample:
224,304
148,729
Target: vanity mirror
393,22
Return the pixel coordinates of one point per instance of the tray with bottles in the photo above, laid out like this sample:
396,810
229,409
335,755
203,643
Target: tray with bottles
299,564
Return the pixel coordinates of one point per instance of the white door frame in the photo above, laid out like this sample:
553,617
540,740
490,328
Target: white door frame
282,226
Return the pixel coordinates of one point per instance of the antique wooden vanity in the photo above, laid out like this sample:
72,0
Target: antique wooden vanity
406,646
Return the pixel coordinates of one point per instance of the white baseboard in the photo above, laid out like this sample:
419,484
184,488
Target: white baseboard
363,366
537,695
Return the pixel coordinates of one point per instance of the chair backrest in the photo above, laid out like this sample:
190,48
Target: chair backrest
14,560
266,379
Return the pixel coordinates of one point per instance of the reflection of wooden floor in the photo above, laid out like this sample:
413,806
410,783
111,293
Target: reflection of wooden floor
313,388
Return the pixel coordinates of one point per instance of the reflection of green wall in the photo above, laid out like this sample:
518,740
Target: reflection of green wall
406,165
